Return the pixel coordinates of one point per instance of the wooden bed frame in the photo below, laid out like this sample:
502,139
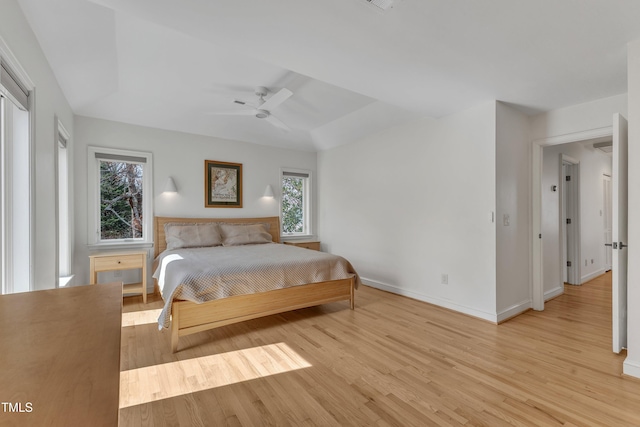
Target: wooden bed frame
189,318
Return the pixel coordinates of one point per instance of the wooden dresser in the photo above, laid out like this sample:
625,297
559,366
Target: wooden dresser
60,356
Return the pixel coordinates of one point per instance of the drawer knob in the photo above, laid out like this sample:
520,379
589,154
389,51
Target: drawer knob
118,262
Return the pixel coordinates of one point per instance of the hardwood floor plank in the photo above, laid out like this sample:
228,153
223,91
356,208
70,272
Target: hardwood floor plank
393,361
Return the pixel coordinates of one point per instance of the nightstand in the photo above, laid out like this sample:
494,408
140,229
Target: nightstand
125,260
308,244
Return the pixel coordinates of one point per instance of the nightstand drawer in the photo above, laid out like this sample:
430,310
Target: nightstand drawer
119,262
307,245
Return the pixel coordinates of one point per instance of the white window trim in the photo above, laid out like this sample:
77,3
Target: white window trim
20,74
308,207
62,133
93,184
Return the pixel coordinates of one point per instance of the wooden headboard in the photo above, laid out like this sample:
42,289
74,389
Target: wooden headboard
160,221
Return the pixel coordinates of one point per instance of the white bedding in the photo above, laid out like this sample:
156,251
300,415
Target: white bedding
205,274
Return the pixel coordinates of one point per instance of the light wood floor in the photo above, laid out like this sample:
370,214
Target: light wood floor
391,362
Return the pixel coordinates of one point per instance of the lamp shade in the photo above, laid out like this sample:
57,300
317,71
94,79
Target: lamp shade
268,192
170,186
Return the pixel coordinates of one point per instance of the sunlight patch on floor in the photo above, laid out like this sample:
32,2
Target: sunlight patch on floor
136,318
152,383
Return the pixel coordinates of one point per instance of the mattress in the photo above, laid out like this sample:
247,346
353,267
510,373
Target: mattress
205,274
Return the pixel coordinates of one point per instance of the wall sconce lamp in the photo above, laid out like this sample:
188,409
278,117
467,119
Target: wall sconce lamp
268,192
170,186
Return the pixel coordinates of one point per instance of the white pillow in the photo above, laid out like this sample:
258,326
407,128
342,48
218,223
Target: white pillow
245,234
192,235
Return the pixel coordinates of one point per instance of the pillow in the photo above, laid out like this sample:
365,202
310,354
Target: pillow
244,234
192,235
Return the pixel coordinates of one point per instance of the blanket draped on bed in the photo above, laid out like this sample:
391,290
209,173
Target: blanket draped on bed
205,274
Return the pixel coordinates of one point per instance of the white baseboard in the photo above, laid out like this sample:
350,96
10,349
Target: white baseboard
514,310
431,300
553,293
593,275
631,368
525,305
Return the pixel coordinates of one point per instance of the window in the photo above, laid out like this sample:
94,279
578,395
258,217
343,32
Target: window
15,180
296,202
63,205
120,196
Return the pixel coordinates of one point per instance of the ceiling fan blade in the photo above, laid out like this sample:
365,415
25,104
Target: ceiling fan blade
276,99
232,113
277,123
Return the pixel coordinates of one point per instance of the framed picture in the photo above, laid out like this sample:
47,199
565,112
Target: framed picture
222,184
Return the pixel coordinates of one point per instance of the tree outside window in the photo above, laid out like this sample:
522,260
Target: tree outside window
120,206
292,204
121,196
296,202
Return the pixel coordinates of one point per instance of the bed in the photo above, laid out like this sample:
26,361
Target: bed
190,317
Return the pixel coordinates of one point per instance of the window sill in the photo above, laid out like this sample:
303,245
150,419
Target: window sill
120,245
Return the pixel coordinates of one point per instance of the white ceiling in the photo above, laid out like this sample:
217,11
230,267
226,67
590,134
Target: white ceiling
353,69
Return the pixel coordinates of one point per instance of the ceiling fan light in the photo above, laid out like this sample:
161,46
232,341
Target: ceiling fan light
262,114
261,91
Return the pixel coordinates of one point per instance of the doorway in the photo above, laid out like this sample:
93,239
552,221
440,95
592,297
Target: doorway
541,247
618,134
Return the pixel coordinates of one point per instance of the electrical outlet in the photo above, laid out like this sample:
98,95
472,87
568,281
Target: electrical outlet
506,220
444,279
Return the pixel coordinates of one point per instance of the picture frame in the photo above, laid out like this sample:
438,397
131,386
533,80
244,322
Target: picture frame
222,184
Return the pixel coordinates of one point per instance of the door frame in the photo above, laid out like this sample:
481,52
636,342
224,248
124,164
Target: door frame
537,277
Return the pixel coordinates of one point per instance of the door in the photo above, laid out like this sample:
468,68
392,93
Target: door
619,231
570,220
564,228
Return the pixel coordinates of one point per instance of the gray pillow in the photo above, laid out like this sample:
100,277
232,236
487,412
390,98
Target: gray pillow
192,235
244,234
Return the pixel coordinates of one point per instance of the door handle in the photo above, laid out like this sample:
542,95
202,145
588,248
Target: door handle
608,244
622,245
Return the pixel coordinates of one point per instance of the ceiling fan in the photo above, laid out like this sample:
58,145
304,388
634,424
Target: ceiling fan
262,108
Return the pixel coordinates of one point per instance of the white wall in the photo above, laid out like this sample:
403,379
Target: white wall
513,164
632,363
182,157
593,164
578,118
49,101
414,202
